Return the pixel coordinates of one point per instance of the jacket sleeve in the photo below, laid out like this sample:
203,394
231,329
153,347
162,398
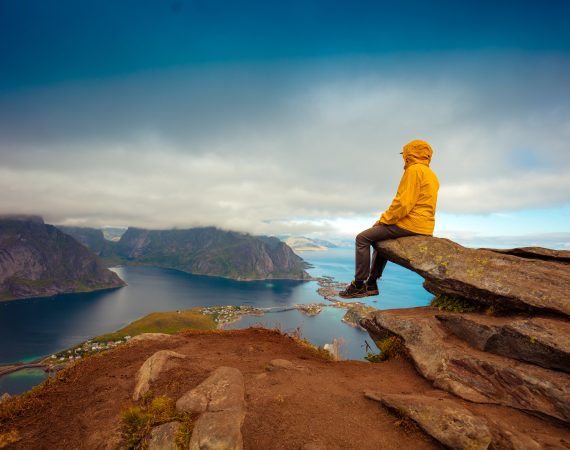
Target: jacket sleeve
406,197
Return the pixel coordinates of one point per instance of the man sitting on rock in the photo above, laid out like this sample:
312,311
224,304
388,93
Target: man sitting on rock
412,212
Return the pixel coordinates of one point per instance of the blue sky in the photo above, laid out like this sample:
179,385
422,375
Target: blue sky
285,117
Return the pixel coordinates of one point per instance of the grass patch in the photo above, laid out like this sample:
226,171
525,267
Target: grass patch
42,283
163,322
138,421
29,400
318,351
297,336
391,347
9,438
454,304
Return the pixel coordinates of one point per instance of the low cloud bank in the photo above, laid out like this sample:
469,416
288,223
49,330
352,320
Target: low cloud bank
287,149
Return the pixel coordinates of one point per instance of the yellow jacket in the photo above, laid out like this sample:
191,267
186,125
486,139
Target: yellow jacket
413,208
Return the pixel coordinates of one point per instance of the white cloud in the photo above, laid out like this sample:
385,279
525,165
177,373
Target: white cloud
286,148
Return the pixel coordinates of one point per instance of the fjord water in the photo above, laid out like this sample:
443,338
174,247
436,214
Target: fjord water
33,328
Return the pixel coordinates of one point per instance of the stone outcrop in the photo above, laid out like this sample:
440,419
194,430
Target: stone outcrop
151,369
468,373
163,437
541,341
220,400
519,358
38,260
483,276
218,430
446,421
222,391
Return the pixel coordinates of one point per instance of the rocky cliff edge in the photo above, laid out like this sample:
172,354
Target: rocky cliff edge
500,336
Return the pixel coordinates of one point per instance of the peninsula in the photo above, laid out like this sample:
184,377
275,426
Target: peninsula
38,260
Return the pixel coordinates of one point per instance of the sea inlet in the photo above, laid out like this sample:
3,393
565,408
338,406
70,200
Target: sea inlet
35,328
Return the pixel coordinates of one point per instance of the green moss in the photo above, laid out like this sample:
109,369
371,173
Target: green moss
453,304
374,357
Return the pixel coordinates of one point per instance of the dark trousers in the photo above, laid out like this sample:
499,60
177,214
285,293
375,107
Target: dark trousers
366,239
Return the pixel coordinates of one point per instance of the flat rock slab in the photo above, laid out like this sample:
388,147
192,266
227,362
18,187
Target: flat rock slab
151,369
484,276
219,430
471,374
220,399
444,420
509,436
538,340
222,391
163,437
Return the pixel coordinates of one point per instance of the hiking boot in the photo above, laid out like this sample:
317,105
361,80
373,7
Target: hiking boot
371,288
356,289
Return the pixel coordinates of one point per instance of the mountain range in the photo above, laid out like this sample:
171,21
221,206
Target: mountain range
211,251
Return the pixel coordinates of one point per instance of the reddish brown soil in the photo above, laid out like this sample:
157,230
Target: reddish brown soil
286,409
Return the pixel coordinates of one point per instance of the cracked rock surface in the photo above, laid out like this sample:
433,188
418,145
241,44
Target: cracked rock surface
220,399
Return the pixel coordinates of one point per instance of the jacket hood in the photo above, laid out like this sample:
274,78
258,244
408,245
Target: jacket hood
417,152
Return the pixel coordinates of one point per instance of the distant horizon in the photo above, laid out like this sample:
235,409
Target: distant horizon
553,240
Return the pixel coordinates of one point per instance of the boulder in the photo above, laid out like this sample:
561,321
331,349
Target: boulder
163,437
218,430
538,340
471,374
222,391
151,369
445,420
484,276
220,399
5,397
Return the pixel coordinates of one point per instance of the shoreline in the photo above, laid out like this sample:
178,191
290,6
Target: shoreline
223,316
12,368
14,299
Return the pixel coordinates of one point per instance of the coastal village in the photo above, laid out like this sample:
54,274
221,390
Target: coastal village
221,316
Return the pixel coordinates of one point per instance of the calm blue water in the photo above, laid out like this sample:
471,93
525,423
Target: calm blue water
33,328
